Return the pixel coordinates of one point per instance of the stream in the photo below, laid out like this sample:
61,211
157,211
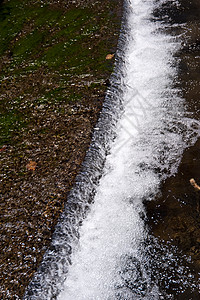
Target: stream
102,248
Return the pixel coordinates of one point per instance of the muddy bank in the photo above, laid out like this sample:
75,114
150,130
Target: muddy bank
54,74
174,216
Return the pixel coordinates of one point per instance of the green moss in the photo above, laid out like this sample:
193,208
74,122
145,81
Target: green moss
12,19
61,41
74,17
58,95
28,45
56,55
10,124
73,21
8,32
43,16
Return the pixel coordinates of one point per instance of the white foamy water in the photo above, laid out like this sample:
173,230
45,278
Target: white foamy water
109,262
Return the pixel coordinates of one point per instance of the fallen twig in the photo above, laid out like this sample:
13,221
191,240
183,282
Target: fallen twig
197,189
194,184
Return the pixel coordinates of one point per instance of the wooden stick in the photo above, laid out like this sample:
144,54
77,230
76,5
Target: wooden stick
197,189
194,184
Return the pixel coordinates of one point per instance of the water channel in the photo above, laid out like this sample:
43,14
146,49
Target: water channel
102,248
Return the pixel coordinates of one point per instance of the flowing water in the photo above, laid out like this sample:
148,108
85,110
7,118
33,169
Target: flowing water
104,247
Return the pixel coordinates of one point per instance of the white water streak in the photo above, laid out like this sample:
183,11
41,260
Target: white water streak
146,142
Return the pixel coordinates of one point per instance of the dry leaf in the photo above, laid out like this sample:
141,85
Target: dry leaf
3,148
31,165
109,56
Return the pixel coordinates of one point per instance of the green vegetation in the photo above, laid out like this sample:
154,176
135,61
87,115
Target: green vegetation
28,46
9,124
37,36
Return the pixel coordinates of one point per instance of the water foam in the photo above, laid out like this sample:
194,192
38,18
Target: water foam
151,137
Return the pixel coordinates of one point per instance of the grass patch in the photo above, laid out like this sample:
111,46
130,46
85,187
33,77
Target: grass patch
28,45
58,95
43,16
42,37
10,124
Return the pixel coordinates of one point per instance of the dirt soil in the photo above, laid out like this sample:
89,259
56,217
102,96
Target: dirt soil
54,75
